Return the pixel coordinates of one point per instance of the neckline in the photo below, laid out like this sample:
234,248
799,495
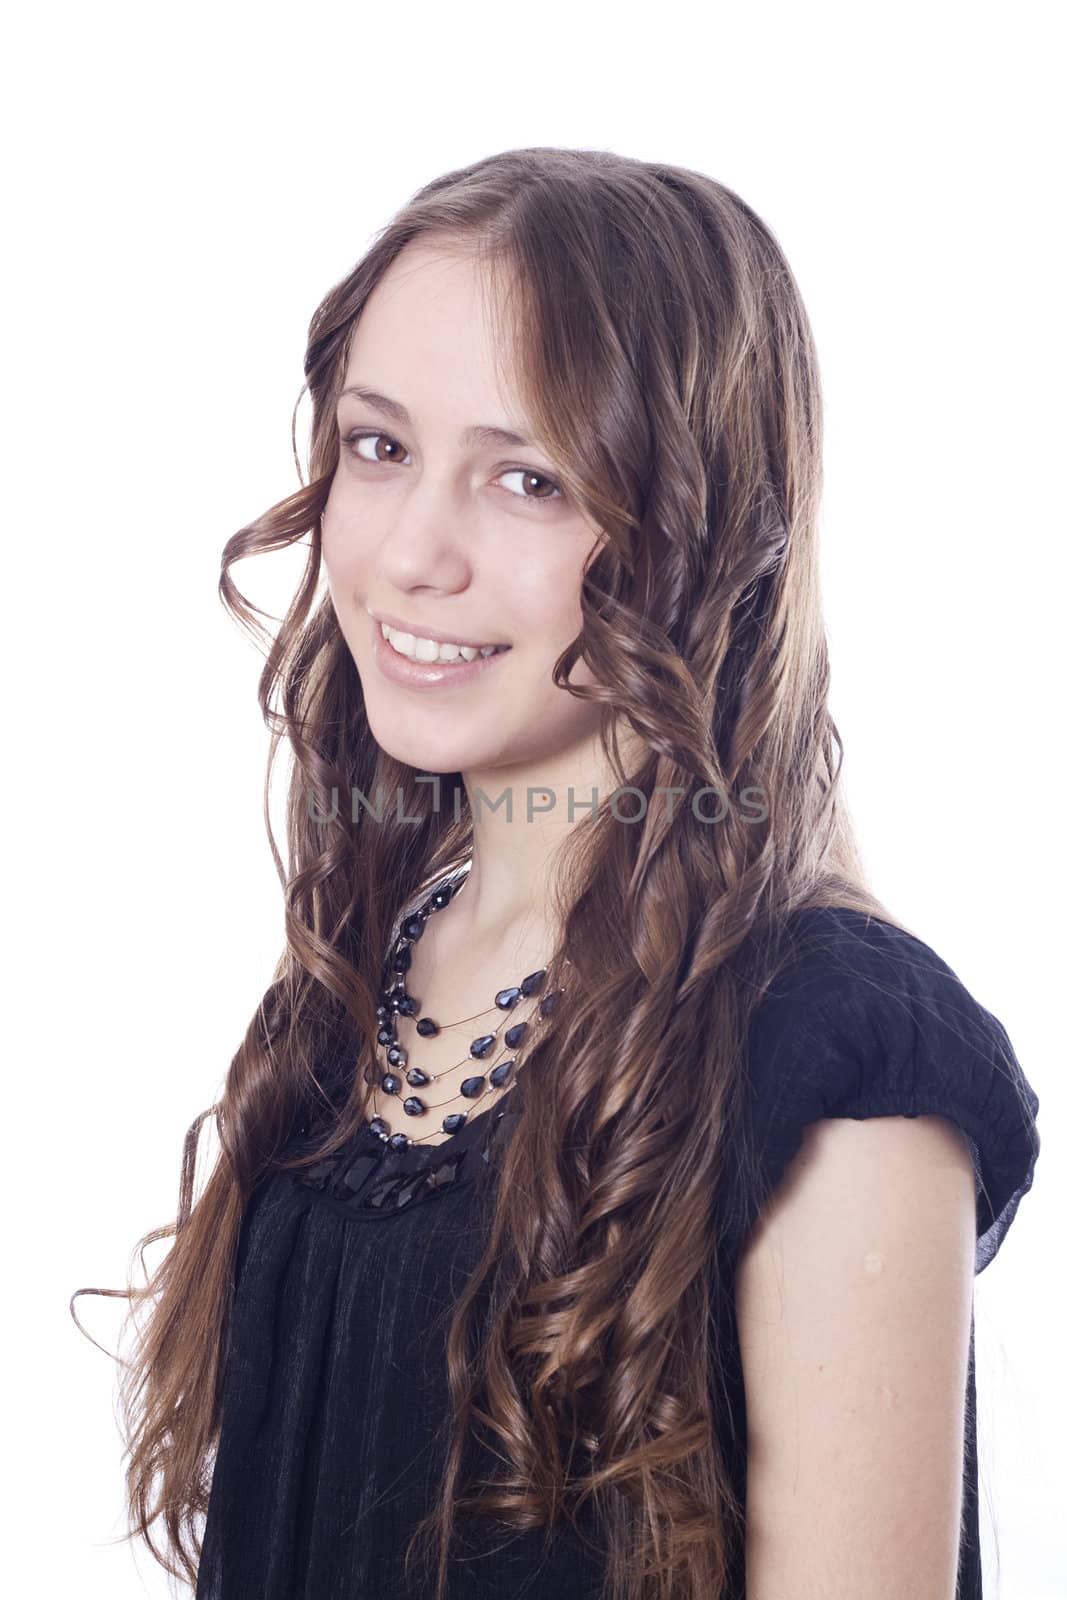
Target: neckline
499,1110
365,1179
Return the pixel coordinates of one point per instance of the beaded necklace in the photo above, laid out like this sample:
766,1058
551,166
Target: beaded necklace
395,1002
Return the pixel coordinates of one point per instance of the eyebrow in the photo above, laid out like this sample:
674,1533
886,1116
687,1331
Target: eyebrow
480,434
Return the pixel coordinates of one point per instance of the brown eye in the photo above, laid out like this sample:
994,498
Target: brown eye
353,440
529,475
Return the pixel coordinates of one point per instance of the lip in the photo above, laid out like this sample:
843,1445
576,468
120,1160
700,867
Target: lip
428,674
429,633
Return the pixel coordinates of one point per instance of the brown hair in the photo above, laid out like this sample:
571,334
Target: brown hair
665,359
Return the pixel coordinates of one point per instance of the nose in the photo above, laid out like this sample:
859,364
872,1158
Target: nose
423,544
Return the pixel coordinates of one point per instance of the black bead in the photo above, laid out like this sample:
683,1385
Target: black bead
482,1045
397,1056
414,1106
416,1077
379,1126
426,1027
412,928
472,1087
549,1003
440,897
501,1073
453,1122
513,1037
399,1141
382,1011
402,958
385,1035
408,1006
532,984
390,1083
506,998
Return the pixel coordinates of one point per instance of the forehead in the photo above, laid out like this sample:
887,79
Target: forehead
427,337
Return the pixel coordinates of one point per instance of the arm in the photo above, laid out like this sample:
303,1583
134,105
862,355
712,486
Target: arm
854,1297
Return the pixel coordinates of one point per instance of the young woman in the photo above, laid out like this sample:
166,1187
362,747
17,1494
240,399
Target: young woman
604,1174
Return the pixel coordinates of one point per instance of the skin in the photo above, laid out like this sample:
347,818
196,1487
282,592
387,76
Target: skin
854,1300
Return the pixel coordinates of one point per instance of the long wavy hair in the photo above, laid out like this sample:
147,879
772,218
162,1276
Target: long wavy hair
665,359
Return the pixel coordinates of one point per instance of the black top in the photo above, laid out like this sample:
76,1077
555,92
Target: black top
334,1400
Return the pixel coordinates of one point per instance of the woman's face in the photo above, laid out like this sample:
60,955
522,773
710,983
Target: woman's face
457,536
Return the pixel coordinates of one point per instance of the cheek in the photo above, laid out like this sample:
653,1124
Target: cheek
550,594
341,553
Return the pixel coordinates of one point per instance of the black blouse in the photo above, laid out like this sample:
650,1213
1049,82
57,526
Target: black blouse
334,1392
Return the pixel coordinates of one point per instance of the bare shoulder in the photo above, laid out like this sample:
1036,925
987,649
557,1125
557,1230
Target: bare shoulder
854,1297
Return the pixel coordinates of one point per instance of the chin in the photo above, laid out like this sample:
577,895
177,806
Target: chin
424,754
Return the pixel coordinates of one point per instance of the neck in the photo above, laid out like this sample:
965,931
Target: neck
522,816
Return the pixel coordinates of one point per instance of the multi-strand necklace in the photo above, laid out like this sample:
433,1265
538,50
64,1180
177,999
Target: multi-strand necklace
395,1002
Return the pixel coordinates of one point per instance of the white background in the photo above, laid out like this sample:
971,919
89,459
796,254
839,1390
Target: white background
183,185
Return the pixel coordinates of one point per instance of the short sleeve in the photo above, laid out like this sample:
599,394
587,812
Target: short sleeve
868,1021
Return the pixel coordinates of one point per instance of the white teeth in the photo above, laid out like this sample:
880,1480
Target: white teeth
419,649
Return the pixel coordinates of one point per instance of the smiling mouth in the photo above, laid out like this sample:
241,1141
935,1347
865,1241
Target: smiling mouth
431,652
